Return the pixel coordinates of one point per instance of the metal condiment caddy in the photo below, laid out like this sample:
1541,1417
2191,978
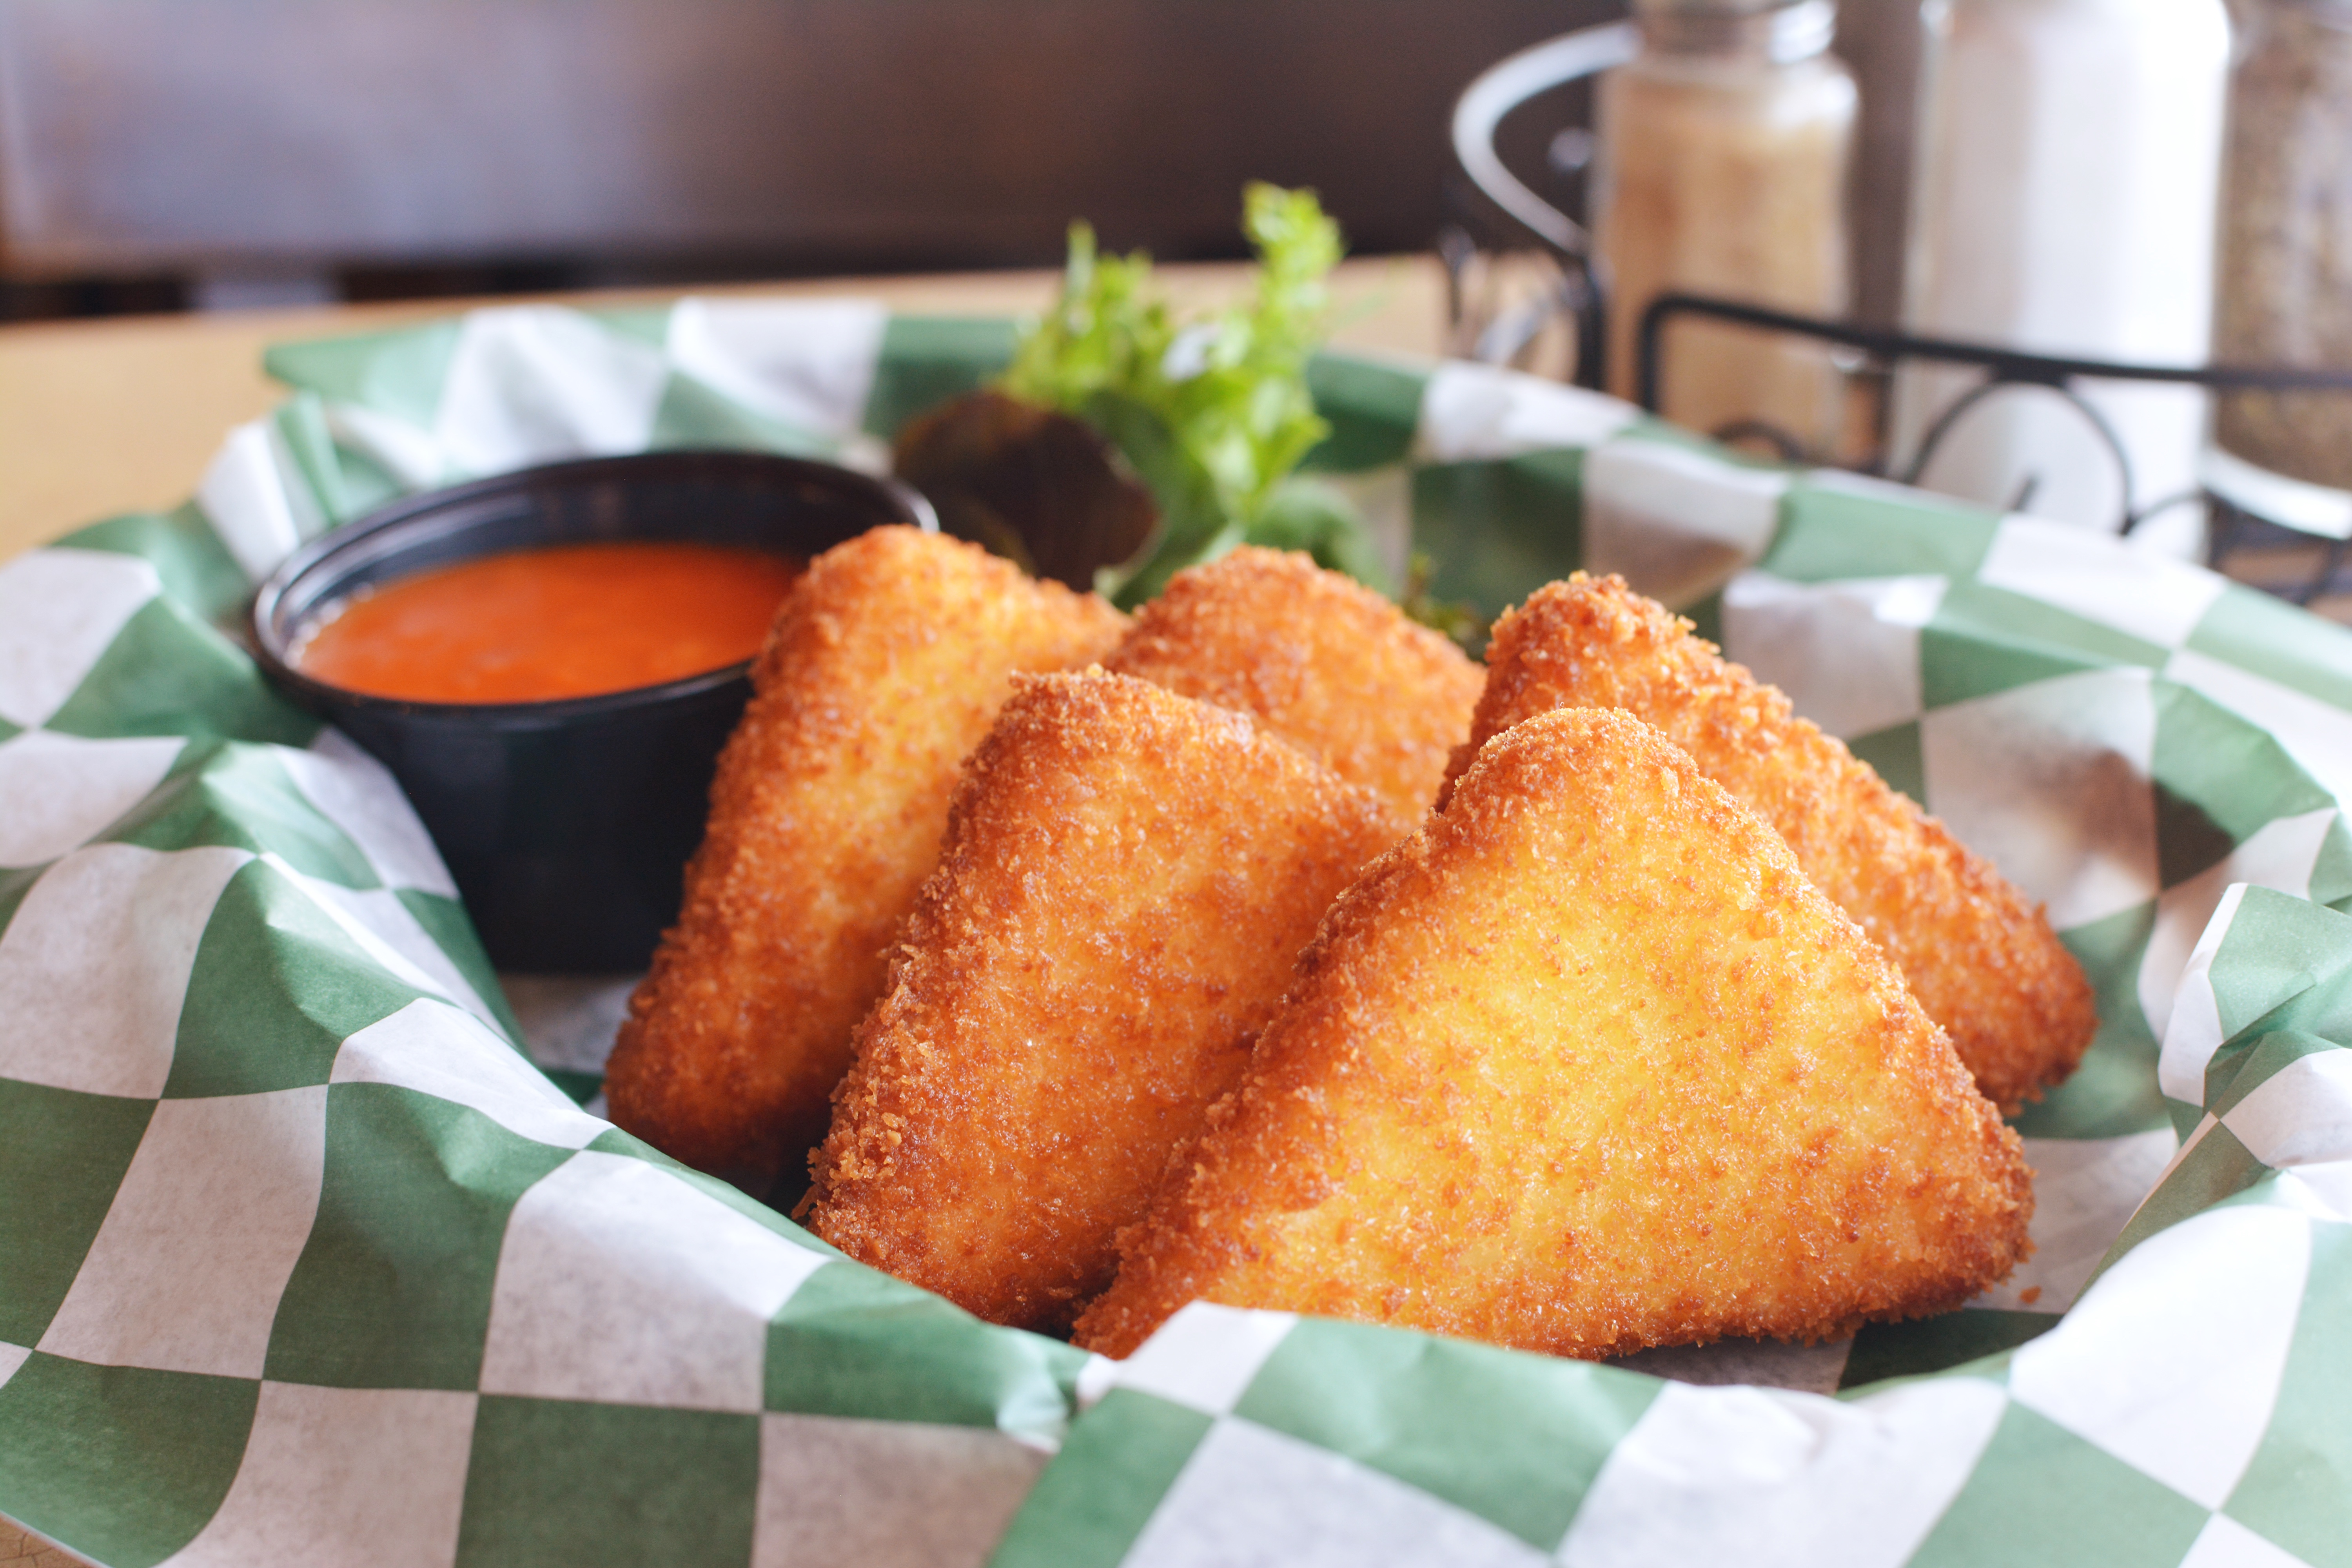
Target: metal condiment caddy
1503,227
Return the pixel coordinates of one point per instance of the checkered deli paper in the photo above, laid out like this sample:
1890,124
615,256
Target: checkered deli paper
302,1261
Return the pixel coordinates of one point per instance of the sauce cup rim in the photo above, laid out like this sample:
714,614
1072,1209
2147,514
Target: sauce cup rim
272,642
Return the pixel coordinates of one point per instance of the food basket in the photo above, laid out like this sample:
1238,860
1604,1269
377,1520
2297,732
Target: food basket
302,1260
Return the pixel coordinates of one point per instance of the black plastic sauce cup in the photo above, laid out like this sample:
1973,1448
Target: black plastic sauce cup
566,824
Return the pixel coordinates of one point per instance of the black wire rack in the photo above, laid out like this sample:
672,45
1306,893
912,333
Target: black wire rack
1493,211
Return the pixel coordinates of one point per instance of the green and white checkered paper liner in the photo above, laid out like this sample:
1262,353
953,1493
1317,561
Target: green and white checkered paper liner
302,1261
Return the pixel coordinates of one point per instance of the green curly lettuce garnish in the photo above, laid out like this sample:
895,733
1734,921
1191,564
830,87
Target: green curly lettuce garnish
1211,414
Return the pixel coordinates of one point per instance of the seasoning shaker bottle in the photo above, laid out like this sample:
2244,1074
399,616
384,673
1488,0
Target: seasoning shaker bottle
2284,292
1725,146
2063,203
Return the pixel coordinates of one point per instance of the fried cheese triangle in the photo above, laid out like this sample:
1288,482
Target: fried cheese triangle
1324,662
1980,958
1586,1066
887,663
1128,878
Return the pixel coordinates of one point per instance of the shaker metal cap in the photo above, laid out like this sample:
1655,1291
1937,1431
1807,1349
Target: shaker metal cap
1714,8
1793,29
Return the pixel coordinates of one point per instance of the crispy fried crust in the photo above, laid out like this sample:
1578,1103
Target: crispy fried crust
1128,878
1981,960
1584,1065
887,663
1326,664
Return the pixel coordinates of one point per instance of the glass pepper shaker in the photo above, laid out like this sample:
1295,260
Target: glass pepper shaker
2285,291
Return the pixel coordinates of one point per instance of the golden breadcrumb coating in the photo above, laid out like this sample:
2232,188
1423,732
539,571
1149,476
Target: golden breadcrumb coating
887,663
1326,663
1585,1066
1128,878
1981,960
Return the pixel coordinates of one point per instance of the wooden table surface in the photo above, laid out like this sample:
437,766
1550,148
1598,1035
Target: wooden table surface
122,415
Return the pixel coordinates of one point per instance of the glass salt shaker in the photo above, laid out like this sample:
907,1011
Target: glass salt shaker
2063,203
1725,146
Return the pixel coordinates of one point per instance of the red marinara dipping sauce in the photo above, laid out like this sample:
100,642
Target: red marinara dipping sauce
574,620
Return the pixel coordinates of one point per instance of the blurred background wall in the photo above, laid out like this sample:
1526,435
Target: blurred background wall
157,153
259,151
